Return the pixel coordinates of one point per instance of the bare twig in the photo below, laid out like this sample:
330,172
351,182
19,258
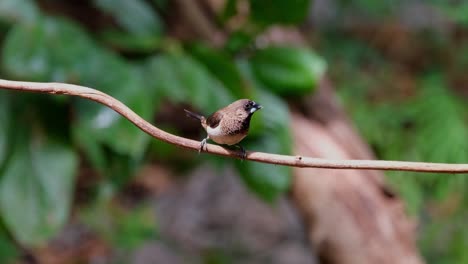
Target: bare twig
296,161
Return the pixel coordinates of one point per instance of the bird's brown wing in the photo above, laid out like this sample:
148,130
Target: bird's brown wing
214,120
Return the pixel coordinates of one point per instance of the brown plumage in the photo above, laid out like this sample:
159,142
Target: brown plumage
230,124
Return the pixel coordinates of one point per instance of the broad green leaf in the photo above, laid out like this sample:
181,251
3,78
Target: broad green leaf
180,78
134,16
288,70
278,11
221,66
36,188
55,49
18,11
5,124
24,53
67,53
48,50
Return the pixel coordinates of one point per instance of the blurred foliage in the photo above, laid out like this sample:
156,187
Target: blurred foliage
287,70
456,10
370,8
273,11
36,186
126,229
8,252
130,56
407,107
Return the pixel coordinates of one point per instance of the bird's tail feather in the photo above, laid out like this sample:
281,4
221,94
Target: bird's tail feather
194,115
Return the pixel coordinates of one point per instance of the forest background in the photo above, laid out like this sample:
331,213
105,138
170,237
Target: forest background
73,172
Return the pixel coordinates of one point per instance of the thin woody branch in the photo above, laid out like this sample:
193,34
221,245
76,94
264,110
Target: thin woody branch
295,161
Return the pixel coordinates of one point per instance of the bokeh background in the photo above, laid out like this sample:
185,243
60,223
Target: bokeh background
80,184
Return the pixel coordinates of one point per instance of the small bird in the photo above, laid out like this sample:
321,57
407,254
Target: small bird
228,125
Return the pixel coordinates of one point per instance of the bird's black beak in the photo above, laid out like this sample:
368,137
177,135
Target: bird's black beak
255,108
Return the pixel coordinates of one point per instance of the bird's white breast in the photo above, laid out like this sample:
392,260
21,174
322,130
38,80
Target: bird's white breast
220,137
214,132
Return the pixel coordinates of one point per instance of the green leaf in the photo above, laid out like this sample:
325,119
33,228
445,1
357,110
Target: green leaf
24,55
136,16
180,78
18,11
50,49
55,49
288,70
5,125
220,65
279,11
36,188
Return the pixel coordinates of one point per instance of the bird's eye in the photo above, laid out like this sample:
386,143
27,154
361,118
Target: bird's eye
248,106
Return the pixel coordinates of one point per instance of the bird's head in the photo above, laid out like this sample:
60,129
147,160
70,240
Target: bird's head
243,108
251,107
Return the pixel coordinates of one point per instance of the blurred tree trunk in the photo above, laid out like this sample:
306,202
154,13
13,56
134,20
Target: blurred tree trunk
351,216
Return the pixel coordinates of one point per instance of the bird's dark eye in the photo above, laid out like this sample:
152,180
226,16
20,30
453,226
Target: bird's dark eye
248,105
